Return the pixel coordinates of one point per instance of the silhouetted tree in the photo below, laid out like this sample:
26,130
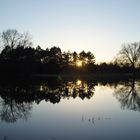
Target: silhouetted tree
66,58
129,54
55,52
75,57
13,38
87,58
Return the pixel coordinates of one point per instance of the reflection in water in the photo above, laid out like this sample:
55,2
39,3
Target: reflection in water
17,100
128,94
75,89
11,111
78,82
94,120
5,138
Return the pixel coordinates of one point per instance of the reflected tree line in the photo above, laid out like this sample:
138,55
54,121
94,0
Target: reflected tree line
16,100
128,94
19,57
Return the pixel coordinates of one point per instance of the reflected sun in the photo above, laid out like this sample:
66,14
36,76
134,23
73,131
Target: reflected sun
78,82
79,63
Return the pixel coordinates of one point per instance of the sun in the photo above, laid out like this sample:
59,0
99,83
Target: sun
79,63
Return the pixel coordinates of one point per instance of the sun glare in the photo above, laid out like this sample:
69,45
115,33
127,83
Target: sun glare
79,63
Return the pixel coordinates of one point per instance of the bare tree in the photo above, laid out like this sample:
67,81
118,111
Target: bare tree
130,54
25,40
13,38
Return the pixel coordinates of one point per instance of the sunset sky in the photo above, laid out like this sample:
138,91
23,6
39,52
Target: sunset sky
99,26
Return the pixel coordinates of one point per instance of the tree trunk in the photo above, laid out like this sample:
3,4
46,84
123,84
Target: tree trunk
133,70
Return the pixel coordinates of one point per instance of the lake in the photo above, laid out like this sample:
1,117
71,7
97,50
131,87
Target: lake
70,110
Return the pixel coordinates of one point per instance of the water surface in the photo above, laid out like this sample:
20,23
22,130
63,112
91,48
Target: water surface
70,110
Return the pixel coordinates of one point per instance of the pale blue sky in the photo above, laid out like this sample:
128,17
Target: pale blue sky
99,26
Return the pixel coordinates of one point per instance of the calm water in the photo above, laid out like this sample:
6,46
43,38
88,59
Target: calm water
70,110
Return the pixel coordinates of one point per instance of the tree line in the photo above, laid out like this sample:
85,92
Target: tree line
19,57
